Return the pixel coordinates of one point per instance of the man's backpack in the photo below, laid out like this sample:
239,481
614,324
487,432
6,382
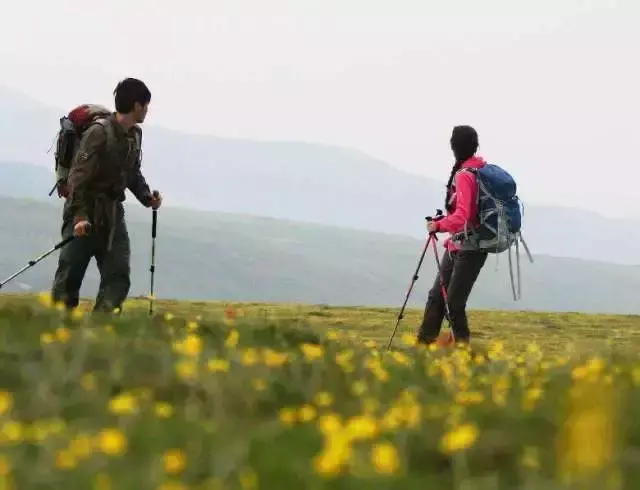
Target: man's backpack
72,127
499,217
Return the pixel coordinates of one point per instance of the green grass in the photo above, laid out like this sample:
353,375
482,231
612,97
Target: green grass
308,397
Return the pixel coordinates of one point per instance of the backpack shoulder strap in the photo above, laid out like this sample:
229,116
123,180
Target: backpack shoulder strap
108,128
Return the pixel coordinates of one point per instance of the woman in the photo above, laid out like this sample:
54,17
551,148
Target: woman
460,269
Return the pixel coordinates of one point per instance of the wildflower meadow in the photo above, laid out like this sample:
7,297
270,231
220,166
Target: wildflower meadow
218,396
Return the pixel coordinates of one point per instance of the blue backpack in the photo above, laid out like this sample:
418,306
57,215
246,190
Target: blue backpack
499,217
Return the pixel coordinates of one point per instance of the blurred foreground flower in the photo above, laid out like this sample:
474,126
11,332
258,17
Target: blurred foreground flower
111,442
6,402
460,438
587,439
385,458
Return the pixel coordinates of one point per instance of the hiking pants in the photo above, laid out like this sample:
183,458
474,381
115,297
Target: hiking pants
113,265
460,269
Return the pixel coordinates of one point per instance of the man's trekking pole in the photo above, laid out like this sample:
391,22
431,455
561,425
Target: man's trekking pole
406,298
33,262
152,268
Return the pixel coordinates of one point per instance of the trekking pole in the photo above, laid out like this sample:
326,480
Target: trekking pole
33,262
152,268
406,298
430,239
443,289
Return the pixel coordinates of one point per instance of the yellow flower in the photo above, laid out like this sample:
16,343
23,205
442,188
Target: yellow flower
469,398
462,437
329,424
81,446
46,338
306,413
45,299
409,340
112,442
63,335
65,460
174,461
191,346
186,369
232,338
77,314
385,459
274,359
288,416
587,439
168,317
218,365
163,410
6,402
123,404
250,357
335,454
312,351
12,431
361,427
191,326
323,399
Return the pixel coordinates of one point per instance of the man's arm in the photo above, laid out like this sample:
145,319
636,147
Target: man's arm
83,168
137,184
465,194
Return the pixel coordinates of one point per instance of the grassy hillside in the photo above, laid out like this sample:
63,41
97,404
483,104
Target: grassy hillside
242,258
248,396
295,181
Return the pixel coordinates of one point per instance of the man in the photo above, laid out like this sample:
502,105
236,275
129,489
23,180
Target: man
460,268
107,163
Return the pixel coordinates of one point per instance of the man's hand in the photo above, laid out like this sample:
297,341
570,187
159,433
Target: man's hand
82,228
155,200
63,189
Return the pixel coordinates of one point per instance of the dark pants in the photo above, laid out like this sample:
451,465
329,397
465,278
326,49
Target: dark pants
113,265
459,273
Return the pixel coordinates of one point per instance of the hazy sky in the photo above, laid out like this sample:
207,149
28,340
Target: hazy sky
553,87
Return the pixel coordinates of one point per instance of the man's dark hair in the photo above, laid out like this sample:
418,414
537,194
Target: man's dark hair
128,92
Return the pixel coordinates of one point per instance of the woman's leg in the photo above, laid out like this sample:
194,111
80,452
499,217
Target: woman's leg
466,268
434,310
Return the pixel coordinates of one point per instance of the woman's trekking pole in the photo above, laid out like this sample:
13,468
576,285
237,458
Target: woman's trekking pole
152,268
443,289
33,262
406,298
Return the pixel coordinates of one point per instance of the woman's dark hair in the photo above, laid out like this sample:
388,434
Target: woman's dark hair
128,92
464,144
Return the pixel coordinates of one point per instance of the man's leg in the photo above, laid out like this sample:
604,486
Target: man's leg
466,269
114,267
434,310
73,261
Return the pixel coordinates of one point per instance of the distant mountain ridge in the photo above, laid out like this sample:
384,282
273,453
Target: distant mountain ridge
211,256
293,181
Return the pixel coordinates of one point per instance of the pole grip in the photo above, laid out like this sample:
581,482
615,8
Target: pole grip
154,223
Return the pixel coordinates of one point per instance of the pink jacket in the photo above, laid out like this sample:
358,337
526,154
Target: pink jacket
463,201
